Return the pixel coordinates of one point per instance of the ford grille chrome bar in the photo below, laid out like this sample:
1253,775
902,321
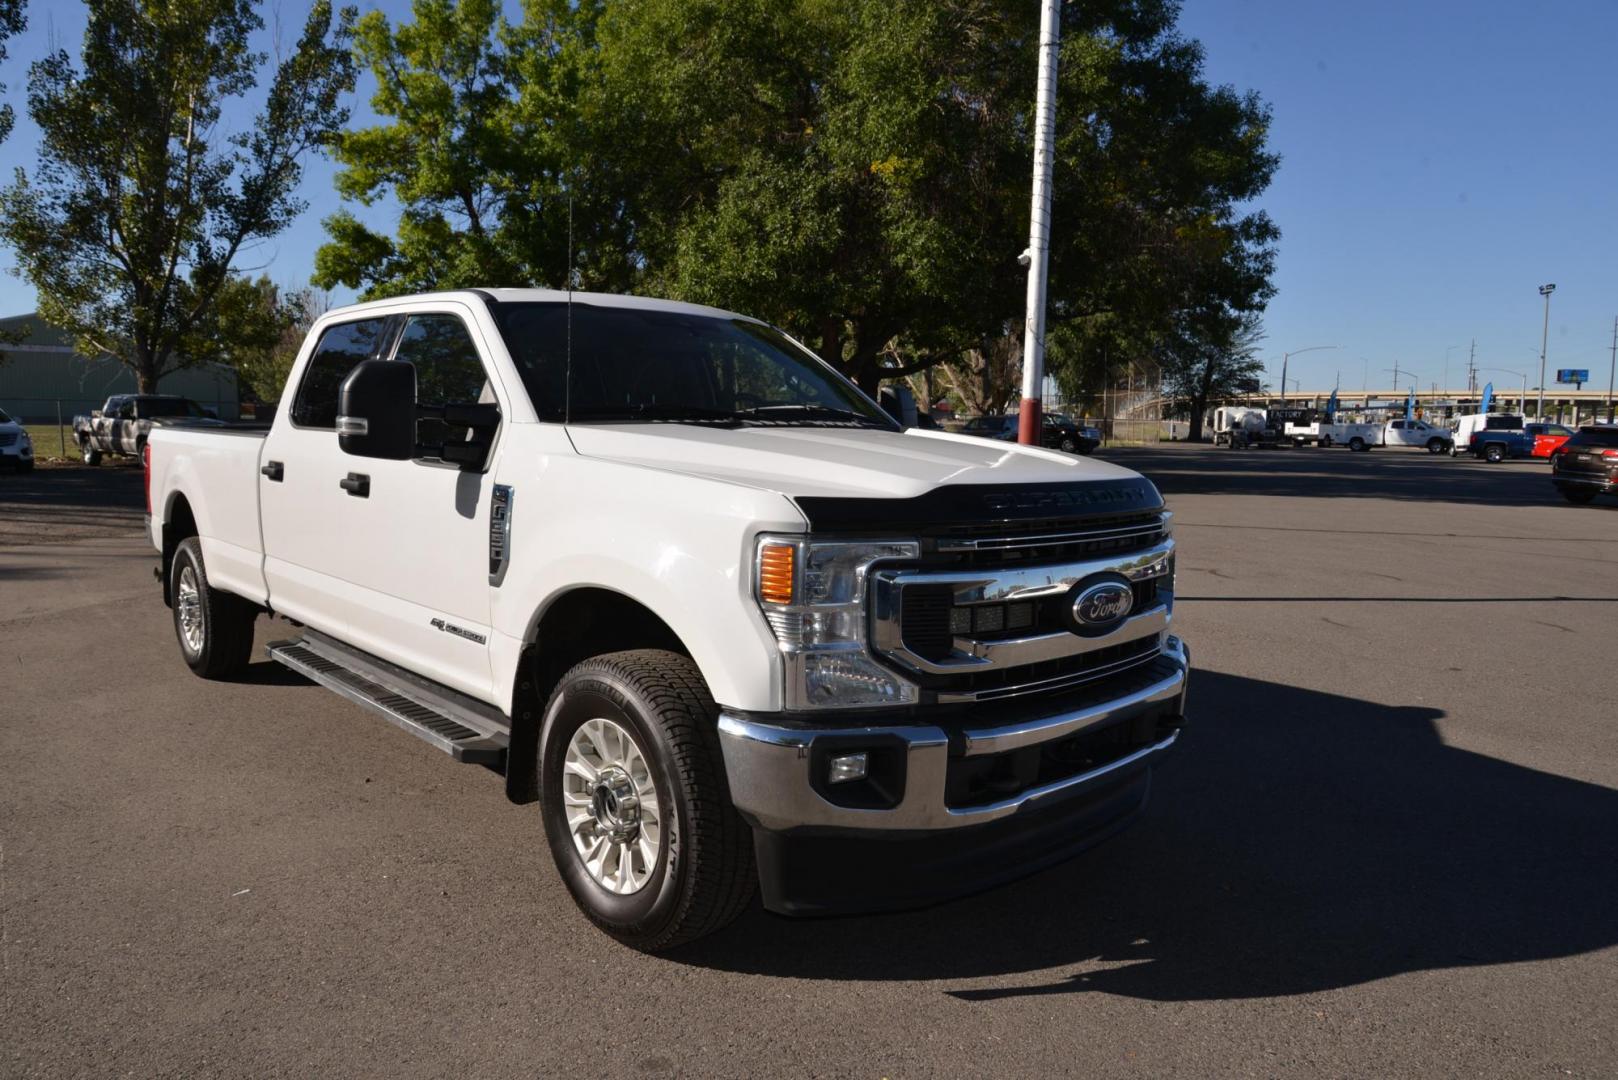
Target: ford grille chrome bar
1009,584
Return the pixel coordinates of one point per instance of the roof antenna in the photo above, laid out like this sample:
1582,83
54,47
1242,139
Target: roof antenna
567,388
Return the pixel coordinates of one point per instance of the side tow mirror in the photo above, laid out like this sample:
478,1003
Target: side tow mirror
376,410
899,402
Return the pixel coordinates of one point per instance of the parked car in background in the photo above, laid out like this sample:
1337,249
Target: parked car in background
1462,428
1586,465
121,425
1495,444
1547,437
1430,437
16,449
1059,432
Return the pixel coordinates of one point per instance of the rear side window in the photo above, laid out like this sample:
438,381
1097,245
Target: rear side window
340,348
448,371
1604,438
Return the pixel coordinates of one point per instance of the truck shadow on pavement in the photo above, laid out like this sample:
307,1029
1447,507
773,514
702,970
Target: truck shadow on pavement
1299,841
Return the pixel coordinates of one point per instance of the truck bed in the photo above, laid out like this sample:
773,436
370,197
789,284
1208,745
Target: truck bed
220,458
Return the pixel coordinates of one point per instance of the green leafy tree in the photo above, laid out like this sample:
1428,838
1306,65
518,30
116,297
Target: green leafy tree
479,167
13,21
855,171
1206,362
133,222
258,329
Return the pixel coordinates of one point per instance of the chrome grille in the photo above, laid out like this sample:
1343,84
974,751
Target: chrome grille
974,623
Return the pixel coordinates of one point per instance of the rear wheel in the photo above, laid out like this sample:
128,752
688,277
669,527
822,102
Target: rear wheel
636,808
1494,453
1325,441
1578,496
1356,444
1435,446
214,628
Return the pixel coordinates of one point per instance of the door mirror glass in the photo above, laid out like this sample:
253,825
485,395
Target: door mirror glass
376,410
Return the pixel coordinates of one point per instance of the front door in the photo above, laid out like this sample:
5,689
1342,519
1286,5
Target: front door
300,503
417,542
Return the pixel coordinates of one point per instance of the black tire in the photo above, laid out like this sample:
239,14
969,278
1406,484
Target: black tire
89,454
224,642
1579,496
1325,442
1435,446
1067,446
1357,444
704,875
1494,453
27,466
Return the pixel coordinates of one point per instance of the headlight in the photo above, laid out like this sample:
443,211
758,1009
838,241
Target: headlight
813,596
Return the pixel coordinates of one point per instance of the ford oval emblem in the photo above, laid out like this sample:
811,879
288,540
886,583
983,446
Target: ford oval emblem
1102,605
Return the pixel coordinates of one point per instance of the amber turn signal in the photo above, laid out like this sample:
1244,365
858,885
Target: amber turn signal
775,573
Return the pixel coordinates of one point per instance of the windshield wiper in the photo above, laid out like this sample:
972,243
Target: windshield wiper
653,412
824,412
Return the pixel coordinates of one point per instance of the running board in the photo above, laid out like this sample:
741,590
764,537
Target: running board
466,729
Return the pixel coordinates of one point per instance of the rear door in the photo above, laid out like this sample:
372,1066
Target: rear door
301,506
417,543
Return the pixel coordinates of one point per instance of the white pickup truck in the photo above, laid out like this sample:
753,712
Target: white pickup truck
693,592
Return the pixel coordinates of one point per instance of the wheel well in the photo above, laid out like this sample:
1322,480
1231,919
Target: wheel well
582,623
178,524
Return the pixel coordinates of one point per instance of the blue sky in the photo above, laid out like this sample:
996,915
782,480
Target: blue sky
1440,160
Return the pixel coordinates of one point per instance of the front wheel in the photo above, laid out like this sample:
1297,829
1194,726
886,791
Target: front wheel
1578,496
214,628
1067,446
89,454
636,808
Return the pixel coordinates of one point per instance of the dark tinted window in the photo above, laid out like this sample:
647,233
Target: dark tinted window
4,419
168,407
633,364
1603,437
339,349
448,371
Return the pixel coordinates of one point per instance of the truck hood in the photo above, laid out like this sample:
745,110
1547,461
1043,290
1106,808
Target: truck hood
818,462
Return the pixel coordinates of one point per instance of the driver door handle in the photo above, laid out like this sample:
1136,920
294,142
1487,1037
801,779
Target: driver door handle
357,484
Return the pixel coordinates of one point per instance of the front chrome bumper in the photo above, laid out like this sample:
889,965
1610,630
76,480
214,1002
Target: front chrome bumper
768,765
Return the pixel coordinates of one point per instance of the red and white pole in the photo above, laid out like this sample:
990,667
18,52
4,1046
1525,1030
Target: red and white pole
1039,225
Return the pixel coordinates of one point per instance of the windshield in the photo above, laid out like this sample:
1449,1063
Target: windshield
634,365
4,419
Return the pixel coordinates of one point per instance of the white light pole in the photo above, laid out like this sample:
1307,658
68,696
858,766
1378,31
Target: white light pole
1289,355
1544,335
1039,225
1523,375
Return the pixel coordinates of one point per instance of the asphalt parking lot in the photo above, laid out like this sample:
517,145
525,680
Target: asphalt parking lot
1388,844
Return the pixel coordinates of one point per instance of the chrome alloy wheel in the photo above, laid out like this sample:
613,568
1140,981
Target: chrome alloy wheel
611,806
188,602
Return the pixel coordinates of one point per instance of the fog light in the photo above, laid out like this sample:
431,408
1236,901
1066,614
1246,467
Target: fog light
845,768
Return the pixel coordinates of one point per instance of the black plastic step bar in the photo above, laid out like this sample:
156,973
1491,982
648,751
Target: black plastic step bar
466,729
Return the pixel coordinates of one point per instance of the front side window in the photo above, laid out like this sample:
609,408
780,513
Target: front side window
448,371
340,348
154,407
636,365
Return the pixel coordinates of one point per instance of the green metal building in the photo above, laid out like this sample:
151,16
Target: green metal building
43,376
